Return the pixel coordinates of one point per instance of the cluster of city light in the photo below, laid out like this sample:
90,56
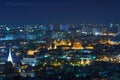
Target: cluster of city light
109,42
74,45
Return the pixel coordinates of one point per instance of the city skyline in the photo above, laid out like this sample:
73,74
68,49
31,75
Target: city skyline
55,11
59,40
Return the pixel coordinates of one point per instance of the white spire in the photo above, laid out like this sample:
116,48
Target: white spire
10,56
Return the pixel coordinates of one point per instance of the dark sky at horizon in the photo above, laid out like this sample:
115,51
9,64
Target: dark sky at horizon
59,11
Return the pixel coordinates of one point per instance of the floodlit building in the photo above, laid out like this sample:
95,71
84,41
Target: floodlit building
30,61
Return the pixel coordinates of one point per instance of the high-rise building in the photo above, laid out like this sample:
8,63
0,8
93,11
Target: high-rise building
56,27
64,27
50,27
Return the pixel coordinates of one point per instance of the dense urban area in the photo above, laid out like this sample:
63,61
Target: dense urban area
60,52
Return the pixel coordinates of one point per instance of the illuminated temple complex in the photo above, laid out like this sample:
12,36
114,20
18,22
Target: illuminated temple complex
66,44
109,42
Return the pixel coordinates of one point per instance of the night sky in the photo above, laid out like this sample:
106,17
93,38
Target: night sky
59,11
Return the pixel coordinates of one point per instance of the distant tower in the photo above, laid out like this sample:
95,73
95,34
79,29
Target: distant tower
83,29
56,27
111,25
10,56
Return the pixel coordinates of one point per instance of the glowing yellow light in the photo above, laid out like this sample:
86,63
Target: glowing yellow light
77,45
31,52
87,62
89,47
56,64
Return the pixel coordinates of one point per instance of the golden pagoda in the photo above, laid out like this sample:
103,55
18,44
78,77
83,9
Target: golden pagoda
77,45
60,43
63,42
69,43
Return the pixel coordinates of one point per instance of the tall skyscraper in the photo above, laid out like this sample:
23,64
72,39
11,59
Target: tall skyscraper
56,27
